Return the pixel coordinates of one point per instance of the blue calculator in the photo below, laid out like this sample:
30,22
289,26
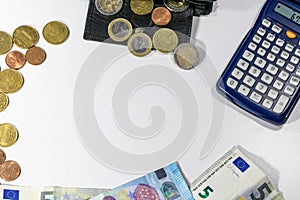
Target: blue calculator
263,76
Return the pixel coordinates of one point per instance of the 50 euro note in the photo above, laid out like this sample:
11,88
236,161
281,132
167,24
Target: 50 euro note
165,183
234,177
13,192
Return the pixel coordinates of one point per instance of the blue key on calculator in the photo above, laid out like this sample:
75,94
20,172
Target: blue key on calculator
263,76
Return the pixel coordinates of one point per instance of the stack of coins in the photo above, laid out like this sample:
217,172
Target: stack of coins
11,80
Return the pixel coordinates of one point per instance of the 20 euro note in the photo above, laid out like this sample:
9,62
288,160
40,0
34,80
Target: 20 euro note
234,177
165,183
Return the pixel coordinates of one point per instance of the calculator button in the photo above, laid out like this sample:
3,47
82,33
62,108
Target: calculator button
248,55
297,52
294,81
289,90
266,78
271,57
298,72
252,46
289,47
232,83
281,104
243,64
276,28
278,84
261,87
261,31
290,34
238,74
280,42
275,49
266,23
257,39
255,97
294,60
270,37
285,55
272,69
260,62
283,75
254,71
280,62
267,103
273,94
244,90
249,81
261,51
290,67
266,44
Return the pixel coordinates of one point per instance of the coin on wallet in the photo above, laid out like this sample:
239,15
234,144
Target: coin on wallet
119,29
109,7
141,7
140,44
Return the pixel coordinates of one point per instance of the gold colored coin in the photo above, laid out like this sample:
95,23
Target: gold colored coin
3,101
165,40
141,7
9,134
119,29
139,44
55,32
186,56
25,36
11,81
6,42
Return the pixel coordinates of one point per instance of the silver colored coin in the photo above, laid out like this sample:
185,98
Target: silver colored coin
109,7
187,56
177,5
140,44
119,29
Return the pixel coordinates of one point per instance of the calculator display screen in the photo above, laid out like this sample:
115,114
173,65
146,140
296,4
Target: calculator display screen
287,12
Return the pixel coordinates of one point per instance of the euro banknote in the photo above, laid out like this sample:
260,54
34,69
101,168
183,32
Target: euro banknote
234,177
165,183
13,192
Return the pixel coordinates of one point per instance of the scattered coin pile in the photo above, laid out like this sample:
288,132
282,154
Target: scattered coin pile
11,80
139,43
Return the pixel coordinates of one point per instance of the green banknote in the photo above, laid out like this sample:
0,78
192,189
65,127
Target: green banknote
234,177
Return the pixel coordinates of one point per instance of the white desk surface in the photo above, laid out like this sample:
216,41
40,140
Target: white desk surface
49,150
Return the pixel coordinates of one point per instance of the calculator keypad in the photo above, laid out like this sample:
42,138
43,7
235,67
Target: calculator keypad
267,72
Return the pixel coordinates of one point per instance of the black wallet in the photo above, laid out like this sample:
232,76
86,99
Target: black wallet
97,23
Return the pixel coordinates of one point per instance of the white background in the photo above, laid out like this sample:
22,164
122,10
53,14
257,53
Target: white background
49,150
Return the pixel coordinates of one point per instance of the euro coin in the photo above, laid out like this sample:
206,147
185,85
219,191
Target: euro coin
3,101
161,16
177,5
109,7
10,170
2,156
139,44
35,55
9,134
15,60
141,7
119,29
11,81
55,32
6,42
165,40
25,36
186,56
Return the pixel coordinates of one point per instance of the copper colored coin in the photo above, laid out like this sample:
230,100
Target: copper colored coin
10,170
35,55
2,156
161,16
15,60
